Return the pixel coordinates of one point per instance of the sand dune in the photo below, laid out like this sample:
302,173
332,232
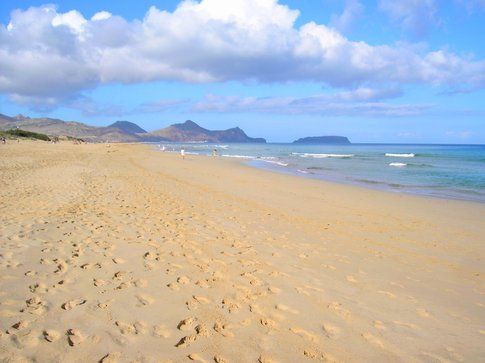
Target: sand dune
124,254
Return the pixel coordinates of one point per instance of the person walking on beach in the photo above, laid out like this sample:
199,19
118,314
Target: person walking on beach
214,152
182,152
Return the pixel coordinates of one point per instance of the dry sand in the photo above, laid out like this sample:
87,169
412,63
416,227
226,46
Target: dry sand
125,254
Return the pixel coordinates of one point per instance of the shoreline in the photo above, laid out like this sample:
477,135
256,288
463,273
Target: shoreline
350,183
368,185
413,170
125,253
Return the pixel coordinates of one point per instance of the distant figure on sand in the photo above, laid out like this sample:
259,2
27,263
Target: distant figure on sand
4,140
182,152
214,152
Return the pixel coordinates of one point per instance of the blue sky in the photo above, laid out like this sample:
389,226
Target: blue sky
410,71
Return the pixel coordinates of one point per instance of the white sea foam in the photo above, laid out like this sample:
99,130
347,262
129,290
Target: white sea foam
238,156
280,163
302,171
222,146
400,155
323,156
398,165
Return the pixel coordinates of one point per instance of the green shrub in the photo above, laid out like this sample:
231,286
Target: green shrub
28,134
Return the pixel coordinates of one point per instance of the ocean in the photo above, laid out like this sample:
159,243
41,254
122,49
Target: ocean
444,171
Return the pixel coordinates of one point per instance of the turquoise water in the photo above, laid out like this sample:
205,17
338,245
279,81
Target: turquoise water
446,171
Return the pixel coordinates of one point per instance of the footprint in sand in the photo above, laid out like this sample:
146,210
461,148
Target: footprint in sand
145,299
120,275
230,304
196,358
23,324
39,288
186,341
140,283
61,268
264,358
196,301
219,359
174,286
125,328
268,323
202,330
331,331
113,357
161,331
74,337
223,329
274,290
337,307
150,256
35,306
69,305
186,324
99,282
373,340
286,308
51,335
304,334
183,280
140,327
24,338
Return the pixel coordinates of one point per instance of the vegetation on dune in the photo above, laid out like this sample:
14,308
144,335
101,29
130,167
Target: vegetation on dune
26,134
71,138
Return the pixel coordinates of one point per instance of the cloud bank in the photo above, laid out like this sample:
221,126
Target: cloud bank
359,102
48,57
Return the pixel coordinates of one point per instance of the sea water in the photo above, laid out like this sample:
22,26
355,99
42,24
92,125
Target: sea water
446,171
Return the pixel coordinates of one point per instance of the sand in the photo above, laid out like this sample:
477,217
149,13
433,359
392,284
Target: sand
124,254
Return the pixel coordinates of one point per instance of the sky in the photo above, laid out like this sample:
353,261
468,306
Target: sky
397,71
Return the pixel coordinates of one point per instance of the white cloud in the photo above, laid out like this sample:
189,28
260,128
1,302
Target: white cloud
102,15
72,19
51,55
89,107
360,102
414,16
345,21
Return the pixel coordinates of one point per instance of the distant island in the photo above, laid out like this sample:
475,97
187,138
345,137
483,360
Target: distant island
124,131
323,140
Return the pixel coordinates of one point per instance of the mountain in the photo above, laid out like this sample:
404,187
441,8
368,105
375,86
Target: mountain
322,140
128,127
123,131
4,119
189,131
56,127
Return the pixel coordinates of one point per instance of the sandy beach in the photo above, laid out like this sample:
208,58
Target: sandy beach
121,253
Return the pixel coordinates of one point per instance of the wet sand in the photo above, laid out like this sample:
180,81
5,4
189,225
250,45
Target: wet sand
124,254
